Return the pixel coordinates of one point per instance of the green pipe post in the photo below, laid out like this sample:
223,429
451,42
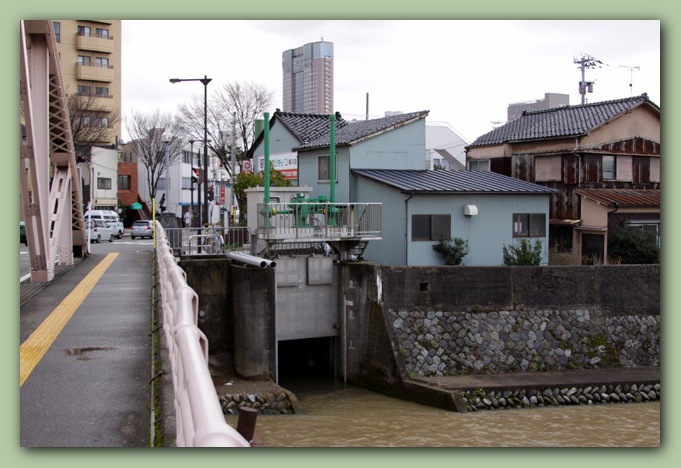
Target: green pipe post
332,158
267,157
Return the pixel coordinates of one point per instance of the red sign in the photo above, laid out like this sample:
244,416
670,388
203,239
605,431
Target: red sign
222,194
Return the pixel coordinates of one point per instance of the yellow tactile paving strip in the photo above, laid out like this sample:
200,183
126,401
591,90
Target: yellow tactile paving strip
34,348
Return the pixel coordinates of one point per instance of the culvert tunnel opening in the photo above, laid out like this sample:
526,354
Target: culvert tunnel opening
311,358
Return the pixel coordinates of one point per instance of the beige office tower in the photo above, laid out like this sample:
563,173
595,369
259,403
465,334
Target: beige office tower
90,58
308,79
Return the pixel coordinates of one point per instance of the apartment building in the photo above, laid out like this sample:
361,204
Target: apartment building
308,78
90,57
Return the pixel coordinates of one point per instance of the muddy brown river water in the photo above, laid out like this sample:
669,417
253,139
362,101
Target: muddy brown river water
336,415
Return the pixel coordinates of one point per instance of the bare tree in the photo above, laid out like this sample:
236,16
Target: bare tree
234,105
90,124
146,133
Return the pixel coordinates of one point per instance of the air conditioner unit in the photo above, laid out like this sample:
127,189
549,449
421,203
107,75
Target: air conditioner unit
470,210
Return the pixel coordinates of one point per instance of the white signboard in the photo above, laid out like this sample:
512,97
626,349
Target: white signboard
286,163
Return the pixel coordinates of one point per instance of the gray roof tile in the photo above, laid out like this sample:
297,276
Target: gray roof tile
560,122
353,132
426,181
307,127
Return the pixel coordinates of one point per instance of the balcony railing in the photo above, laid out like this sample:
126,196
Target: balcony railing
292,222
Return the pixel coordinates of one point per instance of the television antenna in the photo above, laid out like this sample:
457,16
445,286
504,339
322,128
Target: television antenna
631,77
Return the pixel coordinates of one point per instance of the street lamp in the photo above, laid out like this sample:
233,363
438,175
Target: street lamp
205,80
166,137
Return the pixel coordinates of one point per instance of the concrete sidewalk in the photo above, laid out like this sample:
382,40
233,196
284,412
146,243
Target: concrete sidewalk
91,387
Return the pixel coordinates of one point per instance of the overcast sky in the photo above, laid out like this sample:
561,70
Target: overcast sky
465,72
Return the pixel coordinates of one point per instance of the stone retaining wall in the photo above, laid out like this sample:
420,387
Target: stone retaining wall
278,402
459,343
481,399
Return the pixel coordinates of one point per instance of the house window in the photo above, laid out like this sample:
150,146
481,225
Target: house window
124,182
102,91
103,183
609,172
84,31
430,227
103,33
102,122
324,169
84,90
57,30
84,60
654,169
529,225
653,227
480,165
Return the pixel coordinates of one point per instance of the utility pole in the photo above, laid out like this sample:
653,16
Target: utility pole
586,61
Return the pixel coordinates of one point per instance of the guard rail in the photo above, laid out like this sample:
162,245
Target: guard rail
200,420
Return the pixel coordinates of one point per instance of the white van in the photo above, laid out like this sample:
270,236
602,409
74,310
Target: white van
111,217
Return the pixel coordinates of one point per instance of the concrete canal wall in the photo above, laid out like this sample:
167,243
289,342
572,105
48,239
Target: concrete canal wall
406,323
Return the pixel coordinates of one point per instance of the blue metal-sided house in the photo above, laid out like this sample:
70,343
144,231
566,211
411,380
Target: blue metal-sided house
485,209
383,160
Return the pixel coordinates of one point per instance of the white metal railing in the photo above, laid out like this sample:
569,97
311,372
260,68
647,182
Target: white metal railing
200,420
308,220
208,240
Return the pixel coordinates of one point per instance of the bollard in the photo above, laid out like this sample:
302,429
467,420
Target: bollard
246,423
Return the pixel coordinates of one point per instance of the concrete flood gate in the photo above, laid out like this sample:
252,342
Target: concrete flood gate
270,322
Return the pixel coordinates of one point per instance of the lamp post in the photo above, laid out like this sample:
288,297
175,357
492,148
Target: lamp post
205,80
191,180
166,137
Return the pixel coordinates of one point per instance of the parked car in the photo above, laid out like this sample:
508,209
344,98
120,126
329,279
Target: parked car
98,230
110,217
22,233
142,228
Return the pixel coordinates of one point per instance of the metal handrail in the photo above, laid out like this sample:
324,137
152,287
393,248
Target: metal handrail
315,220
200,420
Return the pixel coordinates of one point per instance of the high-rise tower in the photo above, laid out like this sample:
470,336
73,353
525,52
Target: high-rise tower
308,78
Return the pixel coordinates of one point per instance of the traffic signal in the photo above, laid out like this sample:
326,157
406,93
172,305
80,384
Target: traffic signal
196,175
163,203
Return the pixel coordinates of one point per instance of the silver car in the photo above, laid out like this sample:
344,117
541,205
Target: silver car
98,230
142,228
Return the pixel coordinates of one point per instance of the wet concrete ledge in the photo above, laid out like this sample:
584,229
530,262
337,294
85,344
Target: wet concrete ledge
535,389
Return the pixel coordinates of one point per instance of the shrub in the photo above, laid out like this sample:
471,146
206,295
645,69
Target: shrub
522,253
453,250
632,245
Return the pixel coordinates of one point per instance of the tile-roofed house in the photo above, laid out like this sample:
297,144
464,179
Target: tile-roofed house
561,122
356,131
603,145
289,129
307,127
485,209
